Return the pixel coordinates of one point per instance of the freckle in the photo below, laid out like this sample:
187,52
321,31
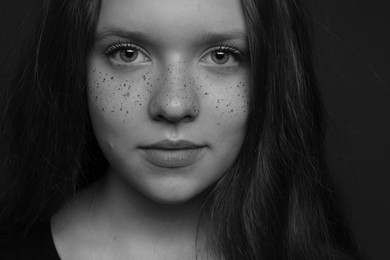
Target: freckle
232,110
112,77
103,109
127,111
206,93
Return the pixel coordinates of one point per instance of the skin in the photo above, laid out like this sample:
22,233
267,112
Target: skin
183,84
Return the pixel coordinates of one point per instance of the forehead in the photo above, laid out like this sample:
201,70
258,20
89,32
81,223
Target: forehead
172,18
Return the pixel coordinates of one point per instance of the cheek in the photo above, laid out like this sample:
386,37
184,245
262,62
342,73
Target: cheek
228,99
118,98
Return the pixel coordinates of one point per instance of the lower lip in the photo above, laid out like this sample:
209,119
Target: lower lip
173,158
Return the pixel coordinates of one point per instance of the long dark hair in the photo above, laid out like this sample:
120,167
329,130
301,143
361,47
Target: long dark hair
46,115
276,202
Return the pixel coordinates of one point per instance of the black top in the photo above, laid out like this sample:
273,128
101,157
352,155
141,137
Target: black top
38,244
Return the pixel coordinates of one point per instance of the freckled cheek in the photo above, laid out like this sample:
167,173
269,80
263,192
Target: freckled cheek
118,98
230,103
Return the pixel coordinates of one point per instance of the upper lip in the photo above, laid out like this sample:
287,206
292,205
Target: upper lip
173,145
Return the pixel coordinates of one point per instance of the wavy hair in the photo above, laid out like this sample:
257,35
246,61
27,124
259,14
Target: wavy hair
276,202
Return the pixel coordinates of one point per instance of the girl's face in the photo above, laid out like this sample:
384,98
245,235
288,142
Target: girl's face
168,92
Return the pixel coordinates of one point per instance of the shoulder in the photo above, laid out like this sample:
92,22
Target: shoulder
37,244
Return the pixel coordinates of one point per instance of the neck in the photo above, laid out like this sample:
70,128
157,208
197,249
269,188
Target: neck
112,214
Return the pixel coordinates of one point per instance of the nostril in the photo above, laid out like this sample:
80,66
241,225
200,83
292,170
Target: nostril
170,119
173,110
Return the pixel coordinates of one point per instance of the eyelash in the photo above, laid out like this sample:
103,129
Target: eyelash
224,47
232,49
121,46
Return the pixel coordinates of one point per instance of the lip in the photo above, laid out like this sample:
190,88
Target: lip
173,154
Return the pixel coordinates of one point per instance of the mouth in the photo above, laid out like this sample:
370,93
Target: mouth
173,154
173,145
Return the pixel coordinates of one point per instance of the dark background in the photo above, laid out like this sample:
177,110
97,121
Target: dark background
353,61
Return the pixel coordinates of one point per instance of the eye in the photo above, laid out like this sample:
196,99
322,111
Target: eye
126,54
222,56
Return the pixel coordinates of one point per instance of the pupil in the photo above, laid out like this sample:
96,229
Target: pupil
129,53
220,55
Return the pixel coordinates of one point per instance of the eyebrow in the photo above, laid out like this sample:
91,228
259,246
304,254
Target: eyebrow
211,37
107,33
203,37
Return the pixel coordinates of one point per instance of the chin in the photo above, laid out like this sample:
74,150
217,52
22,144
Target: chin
174,197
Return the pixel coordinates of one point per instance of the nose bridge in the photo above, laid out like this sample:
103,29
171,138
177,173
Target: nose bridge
175,98
176,78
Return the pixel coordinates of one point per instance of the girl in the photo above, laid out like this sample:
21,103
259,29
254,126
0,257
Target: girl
142,129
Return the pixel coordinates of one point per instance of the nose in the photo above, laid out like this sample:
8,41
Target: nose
175,99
